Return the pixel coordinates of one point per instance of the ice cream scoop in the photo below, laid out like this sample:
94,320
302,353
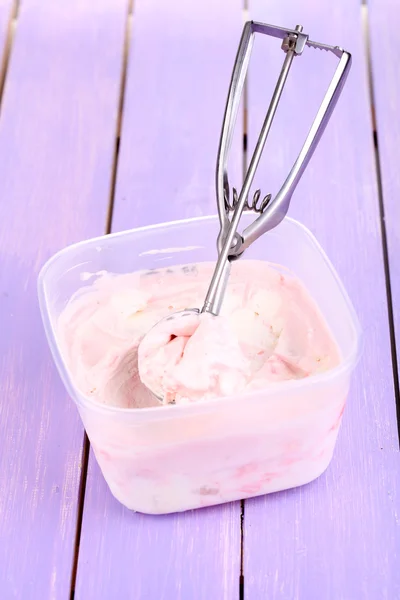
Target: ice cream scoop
231,244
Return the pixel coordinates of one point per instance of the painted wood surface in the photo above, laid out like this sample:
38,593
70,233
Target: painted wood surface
338,538
335,539
179,69
57,136
383,17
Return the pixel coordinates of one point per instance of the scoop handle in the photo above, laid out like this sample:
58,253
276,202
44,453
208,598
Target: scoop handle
229,242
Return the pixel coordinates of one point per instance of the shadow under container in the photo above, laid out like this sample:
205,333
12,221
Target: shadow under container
174,458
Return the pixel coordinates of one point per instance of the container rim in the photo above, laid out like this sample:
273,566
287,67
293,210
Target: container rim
172,411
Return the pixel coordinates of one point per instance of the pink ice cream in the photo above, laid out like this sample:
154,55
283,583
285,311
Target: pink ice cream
269,330
193,357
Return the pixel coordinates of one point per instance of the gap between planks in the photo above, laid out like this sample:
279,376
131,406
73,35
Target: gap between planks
4,64
244,170
108,225
79,518
127,45
378,168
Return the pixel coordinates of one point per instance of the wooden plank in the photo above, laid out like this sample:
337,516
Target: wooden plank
386,86
338,538
57,139
179,69
181,63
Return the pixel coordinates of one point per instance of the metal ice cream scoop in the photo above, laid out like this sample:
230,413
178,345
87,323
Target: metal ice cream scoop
270,211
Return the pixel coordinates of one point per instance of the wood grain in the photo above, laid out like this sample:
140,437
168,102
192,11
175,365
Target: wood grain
338,538
57,138
386,90
179,69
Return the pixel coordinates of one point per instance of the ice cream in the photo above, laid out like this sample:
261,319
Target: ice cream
193,357
269,330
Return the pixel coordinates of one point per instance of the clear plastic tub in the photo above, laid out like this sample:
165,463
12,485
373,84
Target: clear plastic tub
174,458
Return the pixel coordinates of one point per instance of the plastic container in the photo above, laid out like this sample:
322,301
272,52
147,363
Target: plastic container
174,458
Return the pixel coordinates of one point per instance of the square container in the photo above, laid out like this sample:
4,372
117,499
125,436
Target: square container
173,458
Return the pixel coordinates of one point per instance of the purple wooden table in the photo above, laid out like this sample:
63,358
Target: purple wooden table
109,118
